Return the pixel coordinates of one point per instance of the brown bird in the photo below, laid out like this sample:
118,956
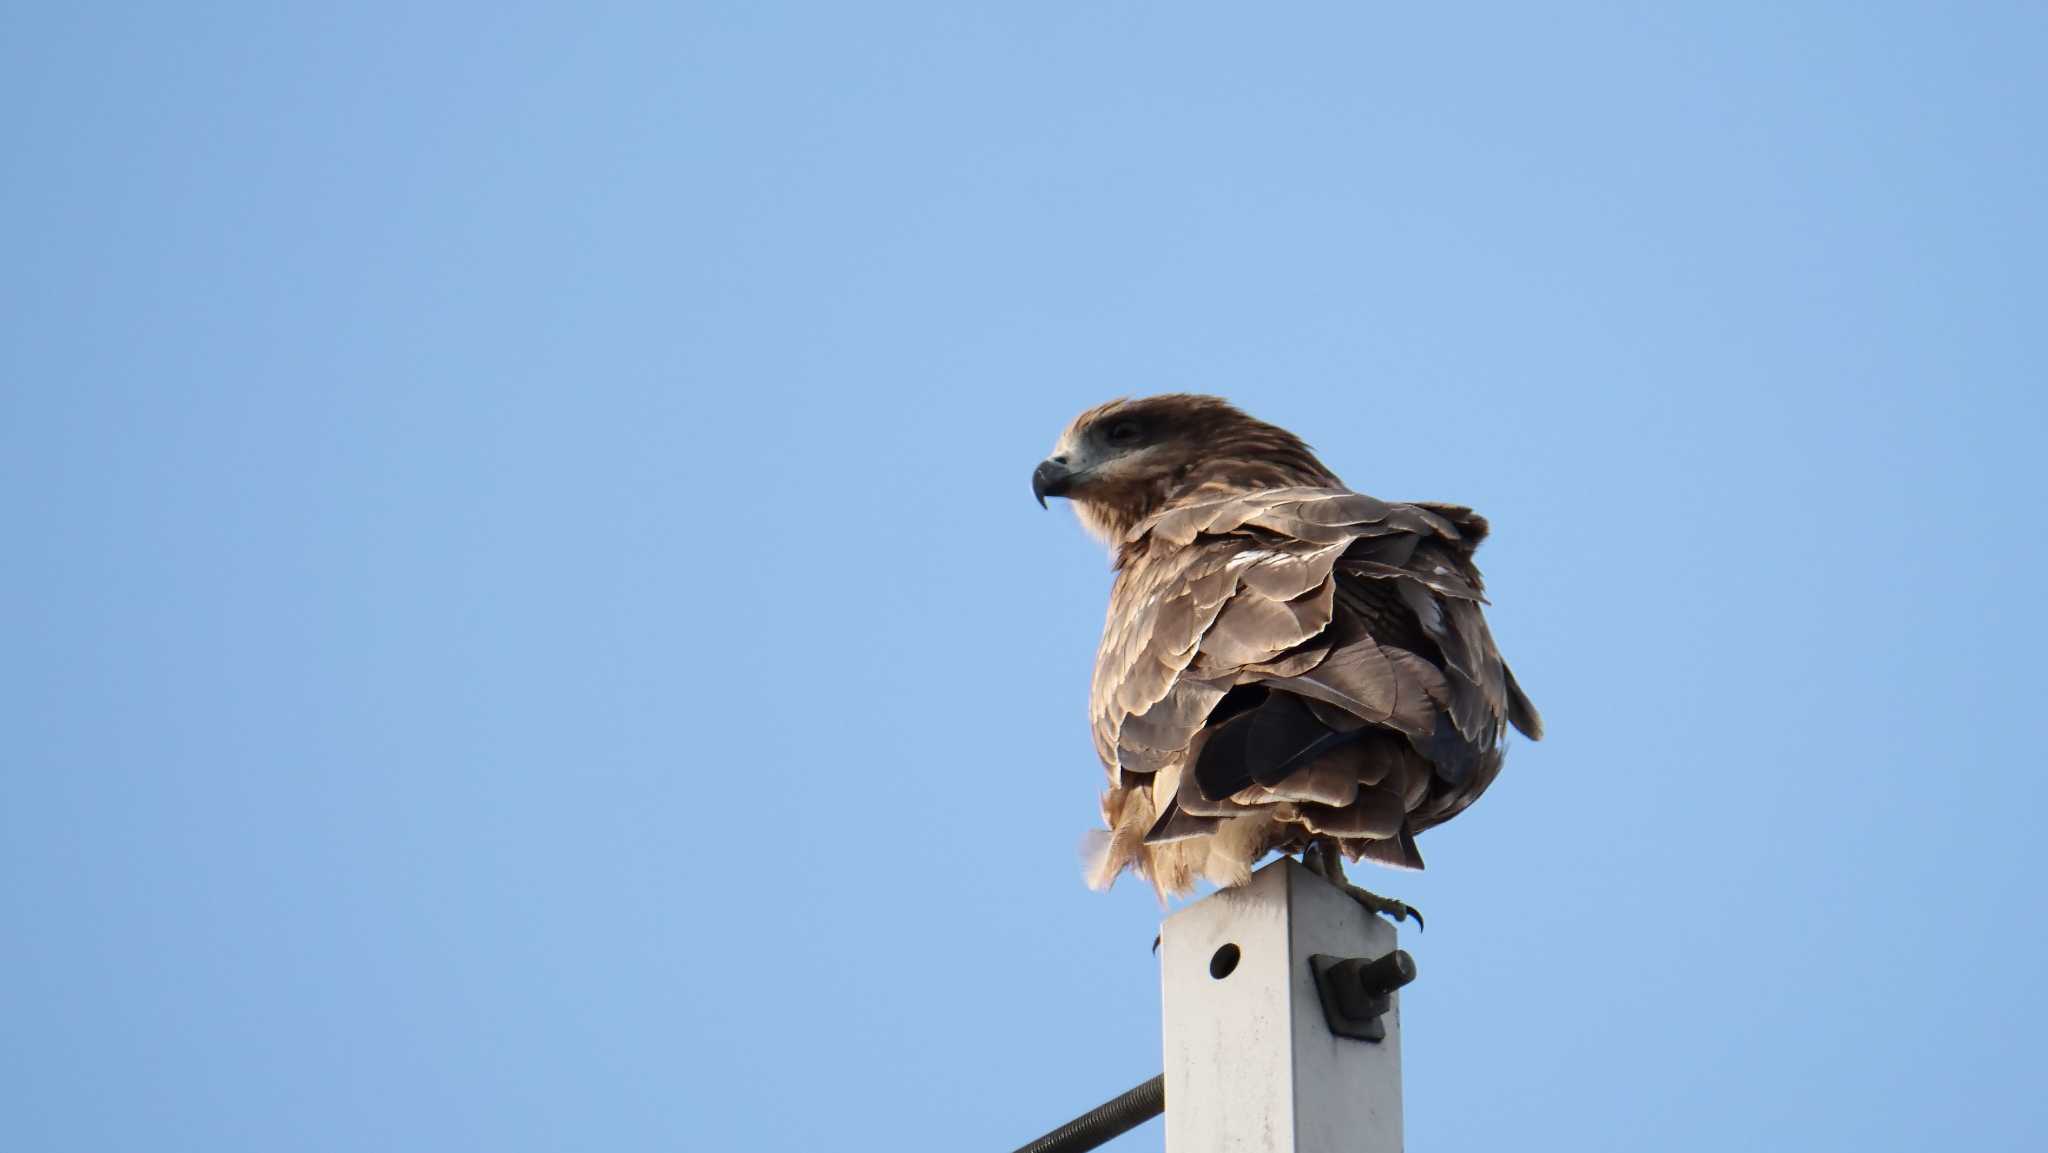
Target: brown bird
1286,664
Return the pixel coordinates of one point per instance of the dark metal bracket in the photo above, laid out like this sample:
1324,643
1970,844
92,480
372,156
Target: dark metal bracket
1357,992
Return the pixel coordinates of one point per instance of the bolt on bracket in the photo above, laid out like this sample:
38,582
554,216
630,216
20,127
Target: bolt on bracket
1358,991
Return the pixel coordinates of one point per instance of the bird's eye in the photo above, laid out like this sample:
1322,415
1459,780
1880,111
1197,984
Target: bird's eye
1124,432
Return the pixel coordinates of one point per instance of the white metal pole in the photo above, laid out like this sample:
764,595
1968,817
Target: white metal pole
1252,1065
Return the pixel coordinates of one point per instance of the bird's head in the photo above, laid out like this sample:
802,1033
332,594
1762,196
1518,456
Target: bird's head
1122,461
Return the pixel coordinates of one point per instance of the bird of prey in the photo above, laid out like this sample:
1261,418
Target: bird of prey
1287,664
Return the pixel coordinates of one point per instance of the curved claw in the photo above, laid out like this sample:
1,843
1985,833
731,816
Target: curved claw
1386,906
1402,911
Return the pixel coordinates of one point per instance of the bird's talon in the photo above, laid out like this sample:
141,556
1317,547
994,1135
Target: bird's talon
1385,906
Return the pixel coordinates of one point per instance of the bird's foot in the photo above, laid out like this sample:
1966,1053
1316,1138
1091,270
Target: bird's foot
1326,860
1385,906
1319,858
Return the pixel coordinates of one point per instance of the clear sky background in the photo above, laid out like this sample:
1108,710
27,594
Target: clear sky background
523,626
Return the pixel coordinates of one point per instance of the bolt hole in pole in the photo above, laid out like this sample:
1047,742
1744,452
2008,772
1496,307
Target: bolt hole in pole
1224,962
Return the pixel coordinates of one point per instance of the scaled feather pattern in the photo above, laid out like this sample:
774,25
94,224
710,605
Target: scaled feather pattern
1283,659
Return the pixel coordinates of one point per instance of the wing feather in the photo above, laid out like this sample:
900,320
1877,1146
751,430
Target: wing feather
1313,661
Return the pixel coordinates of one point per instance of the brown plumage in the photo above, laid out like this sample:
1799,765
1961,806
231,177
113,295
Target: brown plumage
1284,660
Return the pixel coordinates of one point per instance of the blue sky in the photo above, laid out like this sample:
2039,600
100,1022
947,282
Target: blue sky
526,628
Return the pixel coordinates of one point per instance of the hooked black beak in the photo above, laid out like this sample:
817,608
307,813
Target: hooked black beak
1051,478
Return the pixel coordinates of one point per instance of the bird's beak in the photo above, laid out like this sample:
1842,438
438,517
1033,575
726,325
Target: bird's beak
1051,478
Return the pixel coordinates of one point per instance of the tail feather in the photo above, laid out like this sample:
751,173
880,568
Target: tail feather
1399,851
1521,710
